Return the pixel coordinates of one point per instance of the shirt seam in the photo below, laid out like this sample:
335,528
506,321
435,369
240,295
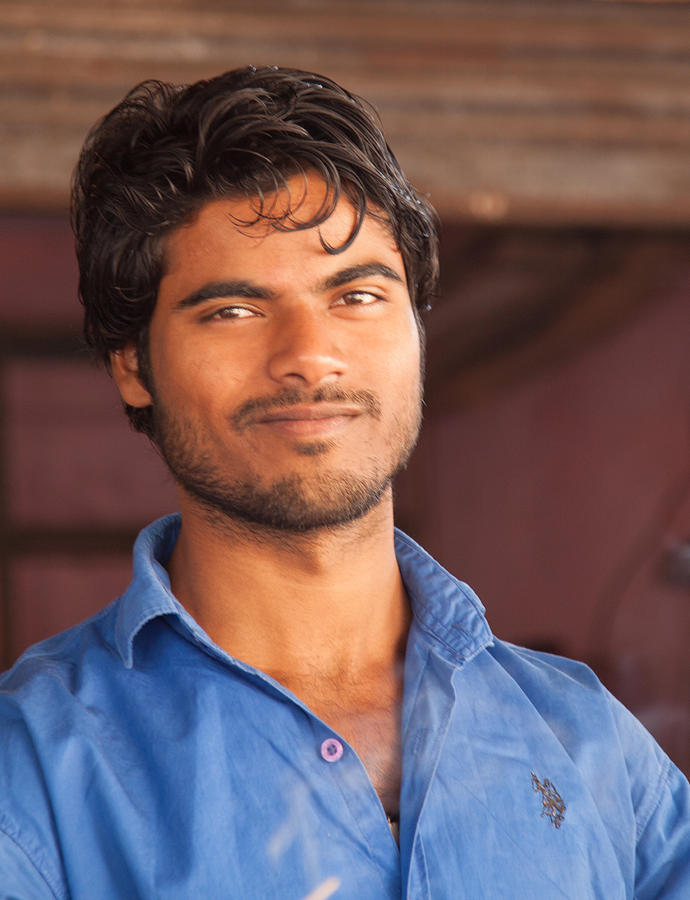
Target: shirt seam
645,819
12,835
411,698
437,635
424,867
417,836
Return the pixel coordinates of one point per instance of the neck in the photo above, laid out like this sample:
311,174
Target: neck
329,601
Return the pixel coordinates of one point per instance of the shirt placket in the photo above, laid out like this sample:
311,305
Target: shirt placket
348,775
426,716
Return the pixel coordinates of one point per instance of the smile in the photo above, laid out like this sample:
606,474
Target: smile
322,419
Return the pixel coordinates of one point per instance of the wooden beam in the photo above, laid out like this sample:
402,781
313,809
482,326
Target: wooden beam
522,111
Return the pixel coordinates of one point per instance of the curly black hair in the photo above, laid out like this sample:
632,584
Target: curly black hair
151,163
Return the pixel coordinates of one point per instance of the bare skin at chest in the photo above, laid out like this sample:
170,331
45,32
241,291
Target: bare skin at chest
366,713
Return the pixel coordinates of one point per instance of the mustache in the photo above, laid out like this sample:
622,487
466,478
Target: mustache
245,414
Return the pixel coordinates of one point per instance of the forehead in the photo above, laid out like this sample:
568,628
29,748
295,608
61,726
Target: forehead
301,219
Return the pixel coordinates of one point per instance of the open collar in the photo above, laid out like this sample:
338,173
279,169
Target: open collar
448,612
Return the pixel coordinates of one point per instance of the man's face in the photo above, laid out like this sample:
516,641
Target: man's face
286,381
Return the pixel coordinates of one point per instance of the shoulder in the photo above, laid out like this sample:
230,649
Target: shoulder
536,667
49,695
60,661
581,712
614,754
39,701
48,689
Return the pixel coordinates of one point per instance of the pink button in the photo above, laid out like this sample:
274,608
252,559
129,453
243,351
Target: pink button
331,750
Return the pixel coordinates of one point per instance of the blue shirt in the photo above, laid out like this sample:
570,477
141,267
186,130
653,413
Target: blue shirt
139,760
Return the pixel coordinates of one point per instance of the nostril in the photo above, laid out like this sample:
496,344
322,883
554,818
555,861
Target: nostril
307,367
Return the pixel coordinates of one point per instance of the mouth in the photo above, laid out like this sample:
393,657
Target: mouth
309,420
309,412
292,405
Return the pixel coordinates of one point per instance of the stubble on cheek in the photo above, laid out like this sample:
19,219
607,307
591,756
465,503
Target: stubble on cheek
240,486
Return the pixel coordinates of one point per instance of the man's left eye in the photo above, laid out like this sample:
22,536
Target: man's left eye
358,298
232,312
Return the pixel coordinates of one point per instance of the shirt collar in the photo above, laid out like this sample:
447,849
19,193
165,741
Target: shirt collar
448,612
148,595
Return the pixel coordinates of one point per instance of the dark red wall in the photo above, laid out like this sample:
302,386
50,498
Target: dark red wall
559,500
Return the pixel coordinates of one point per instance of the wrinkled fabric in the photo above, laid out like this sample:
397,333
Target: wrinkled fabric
139,760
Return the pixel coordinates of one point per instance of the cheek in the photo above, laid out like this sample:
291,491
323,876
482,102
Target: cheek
399,386
403,360
194,372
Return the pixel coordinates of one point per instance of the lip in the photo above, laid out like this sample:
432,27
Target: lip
321,419
309,412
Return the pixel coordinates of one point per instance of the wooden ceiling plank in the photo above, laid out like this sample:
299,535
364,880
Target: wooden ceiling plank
547,33
503,109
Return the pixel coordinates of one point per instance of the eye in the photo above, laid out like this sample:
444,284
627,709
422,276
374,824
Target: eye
231,312
358,298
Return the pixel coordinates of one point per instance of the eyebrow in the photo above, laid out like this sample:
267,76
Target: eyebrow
352,273
247,290
217,289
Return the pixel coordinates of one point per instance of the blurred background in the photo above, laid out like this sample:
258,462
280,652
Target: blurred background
554,469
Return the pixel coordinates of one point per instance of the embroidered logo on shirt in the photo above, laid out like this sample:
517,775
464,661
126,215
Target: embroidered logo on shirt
552,802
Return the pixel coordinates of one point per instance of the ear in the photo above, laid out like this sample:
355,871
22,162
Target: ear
125,367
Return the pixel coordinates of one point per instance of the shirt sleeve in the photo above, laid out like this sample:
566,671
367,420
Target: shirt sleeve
19,877
663,848
660,796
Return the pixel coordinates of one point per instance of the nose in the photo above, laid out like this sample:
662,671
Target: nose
305,351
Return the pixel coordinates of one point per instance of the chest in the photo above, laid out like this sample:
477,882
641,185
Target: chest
367,716
374,734
243,798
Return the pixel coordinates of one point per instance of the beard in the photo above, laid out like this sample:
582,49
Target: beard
294,503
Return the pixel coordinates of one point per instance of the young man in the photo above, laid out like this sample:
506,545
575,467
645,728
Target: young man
287,681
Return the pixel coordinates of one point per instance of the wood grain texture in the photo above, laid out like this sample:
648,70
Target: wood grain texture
529,112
